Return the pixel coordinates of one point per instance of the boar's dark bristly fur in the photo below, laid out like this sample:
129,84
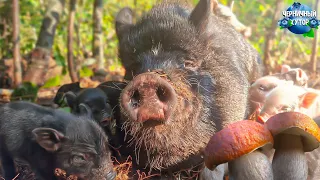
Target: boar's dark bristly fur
49,139
209,65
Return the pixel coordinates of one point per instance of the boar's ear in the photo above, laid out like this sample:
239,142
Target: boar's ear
85,110
307,99
48,138
200,16
69,98
124,20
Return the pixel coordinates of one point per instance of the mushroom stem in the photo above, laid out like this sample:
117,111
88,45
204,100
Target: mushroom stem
252,166
218,173
289,161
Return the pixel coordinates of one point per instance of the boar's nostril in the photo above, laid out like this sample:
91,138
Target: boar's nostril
135,99
161,93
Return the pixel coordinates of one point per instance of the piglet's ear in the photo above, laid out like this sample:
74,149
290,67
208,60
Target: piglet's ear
200,16
307,99
301,76
285,68
48,138
85,110
69,98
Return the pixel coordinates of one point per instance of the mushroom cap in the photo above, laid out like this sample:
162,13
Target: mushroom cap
296,123
236,140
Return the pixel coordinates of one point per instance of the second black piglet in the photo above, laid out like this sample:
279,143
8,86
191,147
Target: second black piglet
102,104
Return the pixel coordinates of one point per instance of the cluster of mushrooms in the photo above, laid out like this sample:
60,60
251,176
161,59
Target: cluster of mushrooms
242,143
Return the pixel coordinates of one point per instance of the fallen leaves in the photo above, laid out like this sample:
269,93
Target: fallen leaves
62,175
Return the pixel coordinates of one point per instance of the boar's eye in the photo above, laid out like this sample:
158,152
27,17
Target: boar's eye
191,65
77,159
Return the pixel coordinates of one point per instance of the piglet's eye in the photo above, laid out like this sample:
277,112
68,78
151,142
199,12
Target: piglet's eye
262,88
267,88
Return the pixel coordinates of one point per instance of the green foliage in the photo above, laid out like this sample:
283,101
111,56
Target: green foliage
60,60
26,91
86,72
62,103
53,82
66,109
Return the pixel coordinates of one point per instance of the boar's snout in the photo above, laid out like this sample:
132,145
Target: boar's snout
149,99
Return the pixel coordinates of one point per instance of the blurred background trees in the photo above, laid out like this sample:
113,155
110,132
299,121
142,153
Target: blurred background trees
55,33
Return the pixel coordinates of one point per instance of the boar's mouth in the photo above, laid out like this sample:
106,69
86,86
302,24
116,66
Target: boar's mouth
152,123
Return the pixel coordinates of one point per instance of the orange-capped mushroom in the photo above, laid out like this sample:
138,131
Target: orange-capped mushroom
238,144
297,124
294,134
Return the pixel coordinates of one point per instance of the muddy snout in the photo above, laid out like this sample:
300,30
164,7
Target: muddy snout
149,98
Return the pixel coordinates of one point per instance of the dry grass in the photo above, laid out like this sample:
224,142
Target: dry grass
123,169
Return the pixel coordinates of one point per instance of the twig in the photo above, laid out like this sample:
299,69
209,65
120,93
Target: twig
13,178
16,176
143,176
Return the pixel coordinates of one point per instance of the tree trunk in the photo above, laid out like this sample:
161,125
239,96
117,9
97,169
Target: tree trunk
313,58
97,33
71,66
78,42
16,43
267,61
40,56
